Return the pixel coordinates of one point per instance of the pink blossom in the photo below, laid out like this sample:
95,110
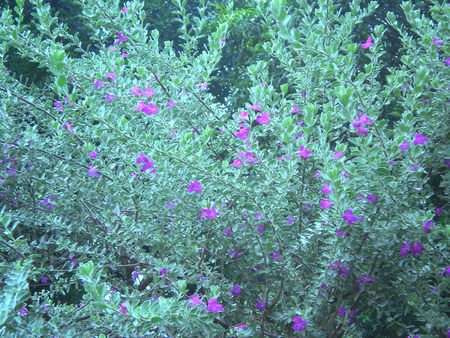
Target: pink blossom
242,115
242,133
404,146
326,203
99,84
195,186
237,163
135,91
303,152
111,76
350,218
326,189
124,10
255,106
149,109
69,127
208,213
368,43
147,164
170,104
241,326
124,55
263,118
295,110
194,300
338,155
214,306
92,171
148,92
419,139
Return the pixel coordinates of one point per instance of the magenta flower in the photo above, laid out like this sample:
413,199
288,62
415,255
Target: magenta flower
275,256
338,155
235,290
147,164
437,43
326,189
438,211
170,205
227,232
135,274
261,305
148,92
299,323
263,118
194,300
255,106
350,218
120,39
93,155
242,133
124,55
447,62
419,139
261,228
92,171
341,268
214,306
163,272
23,311
99,84
341,233
111,76
69,127
428,225
123,309
326,203
361,123
404,249
237,163
404,146
372,198
368,43
149,109
109,97
170,104
58,105
124,10
303,152
342,311
208,213
365,279
295,110
135,91
195,186
241,326
242,115
202,86
416,249
44,279
290,220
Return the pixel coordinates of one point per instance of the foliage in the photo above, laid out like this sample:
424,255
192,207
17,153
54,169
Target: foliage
190,184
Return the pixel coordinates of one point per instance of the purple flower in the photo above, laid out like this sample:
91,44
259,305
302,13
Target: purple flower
208,213
170,104
338,155
202,86
214,306
342,311
237,163
350,218
44,279
261,305
263,118
44,307
404,146
404,249
419,139
437,43
147,164
242,133
149,109
241,326
255,106
365,279
135,274
447,61
368,43
163,272
99,84
69,127
23,311
438,211
194,300
109,97
427,225
170,204
92,171
299,323
326,189
123,309
275,256
303,152
120,39
372,198
341,233
326,203
93,155
261,228
416,249
74,262
341,268
235,290
195,186
290,220
58,105
227,232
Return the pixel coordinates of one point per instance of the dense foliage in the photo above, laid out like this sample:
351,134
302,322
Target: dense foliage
219,169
